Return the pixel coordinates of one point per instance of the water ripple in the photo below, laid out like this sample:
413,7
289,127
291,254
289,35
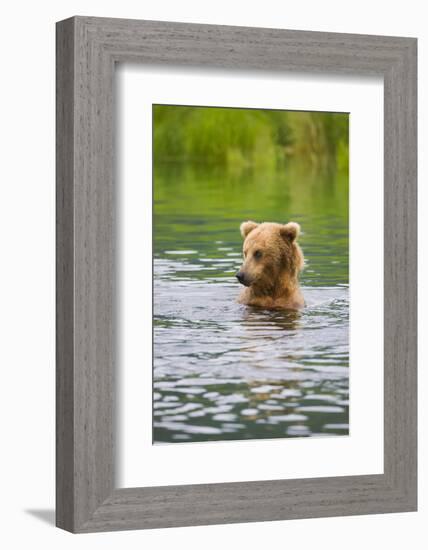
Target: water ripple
225,371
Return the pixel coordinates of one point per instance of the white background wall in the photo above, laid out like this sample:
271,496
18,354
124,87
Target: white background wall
27,272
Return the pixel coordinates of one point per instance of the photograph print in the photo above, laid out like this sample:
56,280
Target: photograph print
250,274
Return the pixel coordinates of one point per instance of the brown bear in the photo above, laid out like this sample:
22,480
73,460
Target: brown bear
272,263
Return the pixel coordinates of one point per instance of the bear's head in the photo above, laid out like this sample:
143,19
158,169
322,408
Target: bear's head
271,255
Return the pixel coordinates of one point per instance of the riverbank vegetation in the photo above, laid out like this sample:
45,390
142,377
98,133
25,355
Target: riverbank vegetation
250,138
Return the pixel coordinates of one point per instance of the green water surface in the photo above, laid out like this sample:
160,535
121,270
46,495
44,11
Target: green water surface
227,371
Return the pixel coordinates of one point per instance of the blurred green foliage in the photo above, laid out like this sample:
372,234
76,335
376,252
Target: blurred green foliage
258,138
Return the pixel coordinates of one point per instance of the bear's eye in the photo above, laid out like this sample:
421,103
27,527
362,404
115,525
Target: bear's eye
257,254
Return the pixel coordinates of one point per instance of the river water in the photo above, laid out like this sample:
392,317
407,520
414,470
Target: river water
224,371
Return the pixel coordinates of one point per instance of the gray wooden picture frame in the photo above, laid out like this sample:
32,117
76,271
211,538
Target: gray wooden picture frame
87,51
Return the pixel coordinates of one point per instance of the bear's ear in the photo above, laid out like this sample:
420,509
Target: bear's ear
247,227
290,231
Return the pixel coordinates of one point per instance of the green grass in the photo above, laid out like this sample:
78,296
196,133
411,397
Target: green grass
256,138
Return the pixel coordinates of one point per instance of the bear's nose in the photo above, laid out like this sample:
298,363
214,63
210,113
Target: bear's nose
240,277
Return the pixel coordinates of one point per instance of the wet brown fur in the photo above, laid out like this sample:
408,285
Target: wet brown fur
272,278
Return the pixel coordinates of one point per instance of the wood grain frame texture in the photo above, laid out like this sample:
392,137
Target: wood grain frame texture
87,51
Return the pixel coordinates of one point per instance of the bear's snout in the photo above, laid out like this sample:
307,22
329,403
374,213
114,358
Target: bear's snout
241,278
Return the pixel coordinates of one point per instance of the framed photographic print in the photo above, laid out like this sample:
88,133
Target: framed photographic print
236,274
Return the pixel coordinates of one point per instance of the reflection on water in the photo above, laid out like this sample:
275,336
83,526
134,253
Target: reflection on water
226,371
